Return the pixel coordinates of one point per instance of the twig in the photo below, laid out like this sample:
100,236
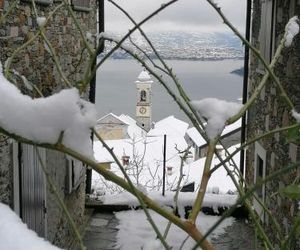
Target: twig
118,45
182,160
23,46
269,68
11,7
251,141
204,181
53,54
250,192
78,26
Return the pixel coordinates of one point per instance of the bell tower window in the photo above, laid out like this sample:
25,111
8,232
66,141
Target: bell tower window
143,96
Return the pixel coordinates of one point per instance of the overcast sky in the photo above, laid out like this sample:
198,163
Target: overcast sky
188,15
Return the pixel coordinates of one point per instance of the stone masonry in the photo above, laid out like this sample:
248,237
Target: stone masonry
270,112
36,64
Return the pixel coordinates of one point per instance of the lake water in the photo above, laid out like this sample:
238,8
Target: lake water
116,90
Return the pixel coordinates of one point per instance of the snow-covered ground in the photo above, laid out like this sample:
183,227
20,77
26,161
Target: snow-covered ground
135,231
15,235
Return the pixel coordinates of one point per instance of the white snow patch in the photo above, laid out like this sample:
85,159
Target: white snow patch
15,235
139,231
43,119
185,199
170,126
296,115
291,30
216,112
27,84
41,21
152,244
144,76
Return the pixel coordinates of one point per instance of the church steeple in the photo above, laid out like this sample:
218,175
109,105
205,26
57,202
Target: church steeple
143,105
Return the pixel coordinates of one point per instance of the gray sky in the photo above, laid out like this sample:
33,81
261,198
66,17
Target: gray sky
188,15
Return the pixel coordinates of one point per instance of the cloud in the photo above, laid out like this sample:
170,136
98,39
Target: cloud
196,15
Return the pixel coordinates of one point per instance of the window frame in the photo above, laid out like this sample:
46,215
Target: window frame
80,7
266,33
41,2
260,156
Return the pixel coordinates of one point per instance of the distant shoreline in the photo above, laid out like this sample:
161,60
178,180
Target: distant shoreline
180,59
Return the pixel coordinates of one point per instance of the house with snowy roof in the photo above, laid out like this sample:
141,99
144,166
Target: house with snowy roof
113,127
270,112
231,135
22,182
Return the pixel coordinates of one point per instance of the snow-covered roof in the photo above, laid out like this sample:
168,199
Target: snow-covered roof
133,130
115,119
169,126
144,76
196,137
232,127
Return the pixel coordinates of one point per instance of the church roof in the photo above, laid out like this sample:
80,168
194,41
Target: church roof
144,76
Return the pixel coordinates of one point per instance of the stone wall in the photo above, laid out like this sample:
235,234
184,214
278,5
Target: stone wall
35,60
6,175
270,112
59,231
36,64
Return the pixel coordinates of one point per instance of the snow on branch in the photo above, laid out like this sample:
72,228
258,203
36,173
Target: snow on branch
296,115
15,235
41,21
216,112
291,30
43,120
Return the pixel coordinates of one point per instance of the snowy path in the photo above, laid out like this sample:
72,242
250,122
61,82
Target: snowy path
101,233
130,230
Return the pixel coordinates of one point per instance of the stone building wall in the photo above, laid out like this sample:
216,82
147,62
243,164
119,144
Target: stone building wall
270,112
35,63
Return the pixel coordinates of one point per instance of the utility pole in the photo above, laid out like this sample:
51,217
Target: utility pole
164,165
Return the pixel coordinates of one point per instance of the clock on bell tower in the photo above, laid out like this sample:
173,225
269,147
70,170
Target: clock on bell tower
143,104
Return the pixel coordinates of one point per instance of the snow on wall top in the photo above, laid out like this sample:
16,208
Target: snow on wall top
43,120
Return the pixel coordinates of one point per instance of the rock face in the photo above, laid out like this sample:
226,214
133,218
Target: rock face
36,64
270,111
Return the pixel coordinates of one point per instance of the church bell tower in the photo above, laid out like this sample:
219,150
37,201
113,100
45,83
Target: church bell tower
143,105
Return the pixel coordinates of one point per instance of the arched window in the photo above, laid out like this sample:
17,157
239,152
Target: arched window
143,96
